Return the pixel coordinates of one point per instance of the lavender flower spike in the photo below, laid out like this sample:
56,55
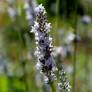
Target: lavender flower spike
64,85
43,52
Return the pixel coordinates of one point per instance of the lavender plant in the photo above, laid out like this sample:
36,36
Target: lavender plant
41,28
64,85
44,49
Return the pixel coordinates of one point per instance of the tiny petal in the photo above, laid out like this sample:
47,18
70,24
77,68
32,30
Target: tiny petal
46,79
38,66
48,27
40,8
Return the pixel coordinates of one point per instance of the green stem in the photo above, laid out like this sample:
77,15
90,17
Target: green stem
53,88
57,19
75,49
87,59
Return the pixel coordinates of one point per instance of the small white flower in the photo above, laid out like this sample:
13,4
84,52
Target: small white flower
37,38
33,30
40,8
86,19
37,53
59,86
53,77
70,37
54,69
36,25
36,33
38,66
50,39
48,27
46,79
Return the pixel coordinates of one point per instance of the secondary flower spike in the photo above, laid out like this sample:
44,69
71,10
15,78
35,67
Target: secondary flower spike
64,85
41,29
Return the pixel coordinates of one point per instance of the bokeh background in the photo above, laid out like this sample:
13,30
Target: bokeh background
72,39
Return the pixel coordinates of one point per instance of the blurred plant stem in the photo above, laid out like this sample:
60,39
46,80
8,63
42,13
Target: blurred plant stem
74,67
11,87
53,87
25,76
74,61
33,5
22,46
75,50
22,58
86,58
57,20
